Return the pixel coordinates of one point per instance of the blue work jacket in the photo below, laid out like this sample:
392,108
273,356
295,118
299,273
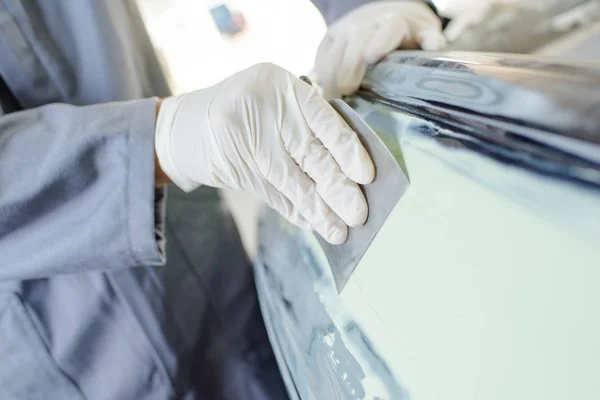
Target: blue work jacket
88,307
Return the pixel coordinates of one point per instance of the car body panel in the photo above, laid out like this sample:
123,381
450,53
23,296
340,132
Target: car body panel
482,283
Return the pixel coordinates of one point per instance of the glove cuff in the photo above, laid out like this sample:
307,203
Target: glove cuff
163,143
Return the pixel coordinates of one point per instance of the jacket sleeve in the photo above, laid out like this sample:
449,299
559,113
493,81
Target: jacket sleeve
332,10
77,190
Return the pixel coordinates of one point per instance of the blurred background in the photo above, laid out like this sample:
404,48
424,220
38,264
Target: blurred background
202,42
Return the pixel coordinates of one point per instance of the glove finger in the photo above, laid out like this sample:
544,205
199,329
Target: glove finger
283,206
335,134
431,39
301,191
342,195
387,38
353,66
278,202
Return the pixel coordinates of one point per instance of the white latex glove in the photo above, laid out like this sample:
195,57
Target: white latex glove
367,34
265,131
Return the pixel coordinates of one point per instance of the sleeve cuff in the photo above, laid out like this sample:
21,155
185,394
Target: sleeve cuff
445,21
146,205
332,11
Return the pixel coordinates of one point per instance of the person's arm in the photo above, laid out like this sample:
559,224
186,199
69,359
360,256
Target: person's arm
77,189
332,10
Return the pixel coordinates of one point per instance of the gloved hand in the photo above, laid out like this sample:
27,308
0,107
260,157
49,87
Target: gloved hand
367,34
265,131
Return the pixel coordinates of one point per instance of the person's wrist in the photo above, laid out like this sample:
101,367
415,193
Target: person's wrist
160,178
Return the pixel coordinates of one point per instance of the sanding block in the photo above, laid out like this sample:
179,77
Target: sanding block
382,194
